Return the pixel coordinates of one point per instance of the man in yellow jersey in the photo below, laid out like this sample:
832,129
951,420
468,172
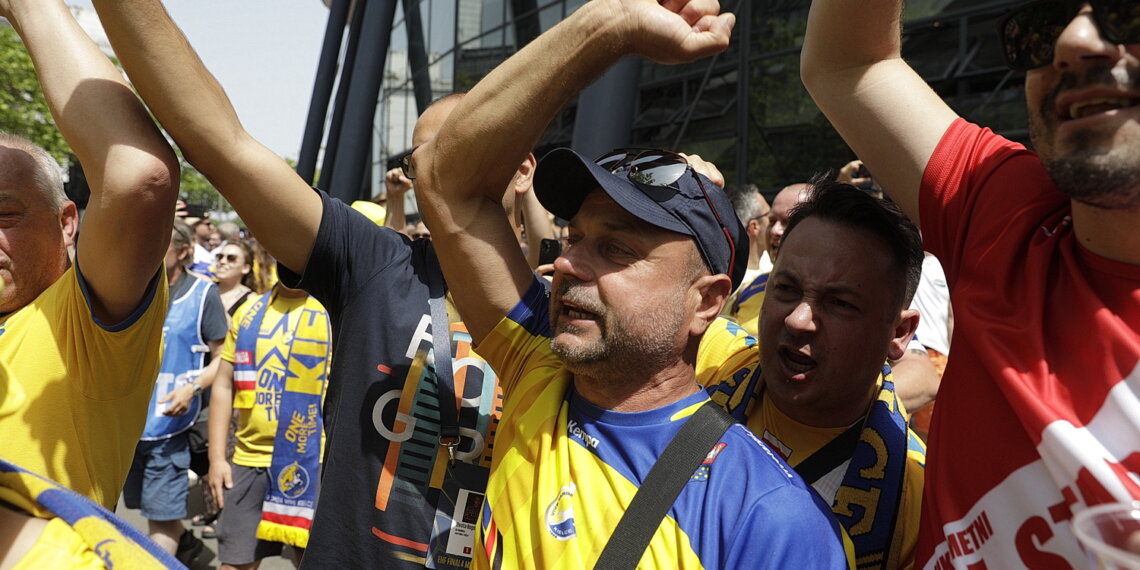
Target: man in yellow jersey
836,309
599,377
82,340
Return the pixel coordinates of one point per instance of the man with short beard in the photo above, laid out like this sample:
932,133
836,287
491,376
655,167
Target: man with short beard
599,377
1036,417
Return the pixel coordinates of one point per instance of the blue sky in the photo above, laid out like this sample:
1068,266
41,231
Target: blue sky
264,53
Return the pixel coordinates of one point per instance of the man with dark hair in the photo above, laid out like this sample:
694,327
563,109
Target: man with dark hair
835,311
598,375
1037,417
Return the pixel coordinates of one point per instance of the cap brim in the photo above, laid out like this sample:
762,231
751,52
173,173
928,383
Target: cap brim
564,178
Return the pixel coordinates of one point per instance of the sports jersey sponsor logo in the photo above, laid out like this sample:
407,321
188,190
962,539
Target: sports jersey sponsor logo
577,432
560,514
243,357
293,480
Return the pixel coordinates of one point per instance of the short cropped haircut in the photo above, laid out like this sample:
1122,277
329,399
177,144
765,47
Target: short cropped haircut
851,207
48,176
746,201
183,237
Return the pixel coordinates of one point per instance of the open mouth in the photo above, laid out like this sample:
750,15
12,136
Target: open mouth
796,363
1096,105
575,312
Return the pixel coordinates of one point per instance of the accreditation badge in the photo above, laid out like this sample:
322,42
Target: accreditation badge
457,516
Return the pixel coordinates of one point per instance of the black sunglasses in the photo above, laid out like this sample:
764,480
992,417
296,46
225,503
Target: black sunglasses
230,257
1029,33
406,165
662,169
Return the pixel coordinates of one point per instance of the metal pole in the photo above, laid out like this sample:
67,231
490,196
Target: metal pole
352,156
417,54
606,110
322,90
337,121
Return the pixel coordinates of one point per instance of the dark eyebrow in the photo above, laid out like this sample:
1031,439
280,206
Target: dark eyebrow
827,290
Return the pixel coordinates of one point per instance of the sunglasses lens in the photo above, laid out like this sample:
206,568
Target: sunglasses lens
657,169
1119,20
614,160
1029,33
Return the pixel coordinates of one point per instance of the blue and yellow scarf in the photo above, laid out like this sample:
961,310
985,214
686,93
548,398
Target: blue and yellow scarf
287,512
116,542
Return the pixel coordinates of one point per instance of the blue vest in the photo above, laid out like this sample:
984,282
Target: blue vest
184,352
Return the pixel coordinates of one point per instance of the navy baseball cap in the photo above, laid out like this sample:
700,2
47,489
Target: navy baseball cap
564,178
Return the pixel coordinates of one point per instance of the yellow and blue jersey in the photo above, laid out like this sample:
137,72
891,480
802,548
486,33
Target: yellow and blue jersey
745,309
564,470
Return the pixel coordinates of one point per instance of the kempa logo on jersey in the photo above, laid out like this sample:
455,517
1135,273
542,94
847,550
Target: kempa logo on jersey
575,431
560,514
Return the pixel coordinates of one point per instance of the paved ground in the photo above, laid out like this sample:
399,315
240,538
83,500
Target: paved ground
209,556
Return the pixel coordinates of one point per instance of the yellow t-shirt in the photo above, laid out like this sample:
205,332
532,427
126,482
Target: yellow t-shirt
79,392
59,546
257,425
745,306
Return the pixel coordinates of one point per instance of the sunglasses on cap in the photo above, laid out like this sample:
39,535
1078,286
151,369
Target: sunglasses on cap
1029,33
662,169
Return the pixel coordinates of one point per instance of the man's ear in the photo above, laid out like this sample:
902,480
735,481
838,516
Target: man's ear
524,178
69,222
903,332
753,227
712,291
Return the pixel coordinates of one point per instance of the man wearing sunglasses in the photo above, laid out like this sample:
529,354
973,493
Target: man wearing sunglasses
598,374
1036,416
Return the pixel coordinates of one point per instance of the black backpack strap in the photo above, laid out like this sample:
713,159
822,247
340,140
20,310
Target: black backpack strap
662,485
830,456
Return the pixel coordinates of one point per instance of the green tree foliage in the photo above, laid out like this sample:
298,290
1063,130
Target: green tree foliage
23,110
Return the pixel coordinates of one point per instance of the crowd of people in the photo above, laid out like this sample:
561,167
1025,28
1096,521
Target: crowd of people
705,380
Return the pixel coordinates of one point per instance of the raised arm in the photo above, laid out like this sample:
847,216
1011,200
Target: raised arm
277,204
463,171
131,169
881,107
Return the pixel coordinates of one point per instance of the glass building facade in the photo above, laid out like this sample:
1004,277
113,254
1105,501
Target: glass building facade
744,109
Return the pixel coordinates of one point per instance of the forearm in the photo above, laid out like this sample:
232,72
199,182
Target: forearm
395,217
98,114
278,206
221,408
209,374
916,380
497,124
880,106
830,46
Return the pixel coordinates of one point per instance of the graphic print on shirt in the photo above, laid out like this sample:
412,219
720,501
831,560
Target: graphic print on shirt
416,468
995,533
